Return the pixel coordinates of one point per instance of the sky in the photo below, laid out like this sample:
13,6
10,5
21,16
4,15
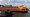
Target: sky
15,2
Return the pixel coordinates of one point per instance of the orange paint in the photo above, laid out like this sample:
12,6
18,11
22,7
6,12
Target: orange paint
18,8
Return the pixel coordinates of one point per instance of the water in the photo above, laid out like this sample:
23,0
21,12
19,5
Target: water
16,14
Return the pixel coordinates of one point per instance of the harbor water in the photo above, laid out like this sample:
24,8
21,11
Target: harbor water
16,14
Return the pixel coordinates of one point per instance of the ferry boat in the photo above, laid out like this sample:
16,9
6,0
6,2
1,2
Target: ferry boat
21,9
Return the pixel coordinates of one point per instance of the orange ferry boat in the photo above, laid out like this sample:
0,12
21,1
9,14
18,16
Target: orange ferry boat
15,9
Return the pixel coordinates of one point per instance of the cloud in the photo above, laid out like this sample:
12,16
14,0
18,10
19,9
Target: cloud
14,2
